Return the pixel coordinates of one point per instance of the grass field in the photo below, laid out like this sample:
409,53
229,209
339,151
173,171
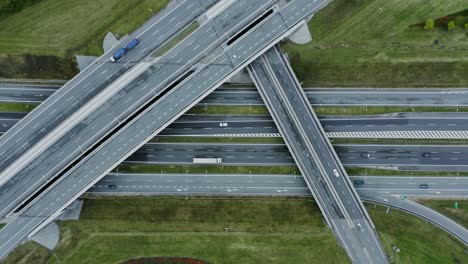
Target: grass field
41,40
446,207
260,230
371,43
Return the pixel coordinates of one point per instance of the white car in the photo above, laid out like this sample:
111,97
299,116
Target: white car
360,226
223,124
335,171
233,58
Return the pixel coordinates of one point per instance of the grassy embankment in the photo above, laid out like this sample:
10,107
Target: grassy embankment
41,40
378,43
261,230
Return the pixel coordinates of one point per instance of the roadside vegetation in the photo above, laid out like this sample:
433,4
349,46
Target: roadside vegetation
229,230
383,43
321,110
41,39
201,169
16,107
355,171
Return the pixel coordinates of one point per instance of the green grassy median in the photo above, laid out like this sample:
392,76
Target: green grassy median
17,107
201,169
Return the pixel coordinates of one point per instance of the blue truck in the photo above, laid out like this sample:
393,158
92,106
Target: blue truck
123,51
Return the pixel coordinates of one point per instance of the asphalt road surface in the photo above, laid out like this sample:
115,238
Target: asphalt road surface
26,93
208,125
403,157
315,158
254,184
317,96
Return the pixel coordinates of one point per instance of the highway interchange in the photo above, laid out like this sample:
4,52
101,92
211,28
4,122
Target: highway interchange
72,140
81,172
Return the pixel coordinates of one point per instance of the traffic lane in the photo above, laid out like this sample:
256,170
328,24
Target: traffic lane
394,124
25,94
173,157
211,147
325,152
290,184
388,97
262,153
221,125
199,184
317,96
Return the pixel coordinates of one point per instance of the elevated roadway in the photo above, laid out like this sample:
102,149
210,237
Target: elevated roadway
315,158
160,113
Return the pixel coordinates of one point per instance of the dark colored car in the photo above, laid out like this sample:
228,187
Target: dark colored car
423,186
359,182
365,155
112,186
426,155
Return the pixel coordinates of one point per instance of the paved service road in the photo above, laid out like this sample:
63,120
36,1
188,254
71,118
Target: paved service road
315,158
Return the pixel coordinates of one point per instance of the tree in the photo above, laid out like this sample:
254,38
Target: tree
466,26
451,25
429,24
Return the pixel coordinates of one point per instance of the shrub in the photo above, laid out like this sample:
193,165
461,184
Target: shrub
451,25
429,25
